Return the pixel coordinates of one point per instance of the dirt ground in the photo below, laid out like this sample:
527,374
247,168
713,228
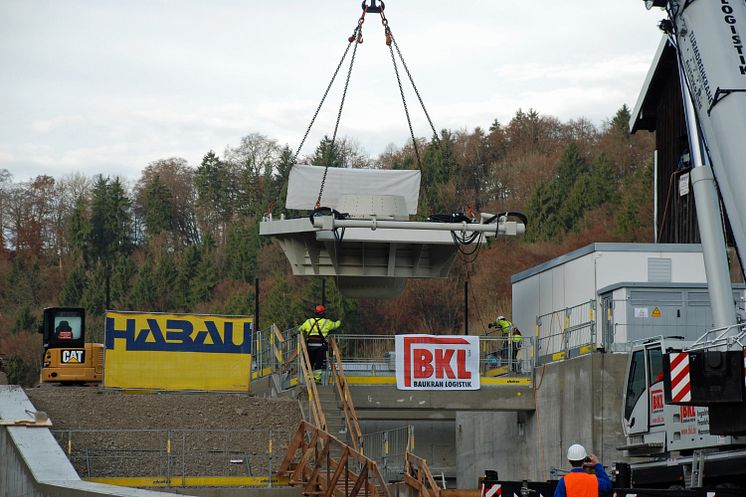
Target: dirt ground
167,434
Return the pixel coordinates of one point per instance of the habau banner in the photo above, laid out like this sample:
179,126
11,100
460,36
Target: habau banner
428,362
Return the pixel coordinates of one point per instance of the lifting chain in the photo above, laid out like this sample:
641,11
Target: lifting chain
357,39
391,42
354,40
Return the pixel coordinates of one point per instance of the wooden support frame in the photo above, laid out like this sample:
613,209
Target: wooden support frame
313,394
345,396
418,476
327,467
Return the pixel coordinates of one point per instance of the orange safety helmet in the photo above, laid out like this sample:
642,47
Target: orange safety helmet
320,310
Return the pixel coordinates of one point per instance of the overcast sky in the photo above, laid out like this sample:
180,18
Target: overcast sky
108,86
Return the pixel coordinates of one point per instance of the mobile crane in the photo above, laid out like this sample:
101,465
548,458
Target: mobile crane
685,404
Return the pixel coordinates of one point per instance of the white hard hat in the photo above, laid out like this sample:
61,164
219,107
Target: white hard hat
499,318
576,452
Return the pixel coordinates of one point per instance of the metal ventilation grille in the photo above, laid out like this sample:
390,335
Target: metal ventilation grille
659,270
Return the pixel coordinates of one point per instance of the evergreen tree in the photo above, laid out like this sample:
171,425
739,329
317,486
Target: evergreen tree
543,208
166,284
79,230
187,264
212,184
110,235
159,210
143,294
206,277
93,296
439,166
241,250
72,290
25,320
111,220
620,123
282,306
633,219
121,275
328,154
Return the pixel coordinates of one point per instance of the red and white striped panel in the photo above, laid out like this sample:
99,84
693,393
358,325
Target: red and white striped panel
494,490
680,381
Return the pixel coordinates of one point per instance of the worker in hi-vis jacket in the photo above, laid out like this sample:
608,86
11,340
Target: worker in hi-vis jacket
316,330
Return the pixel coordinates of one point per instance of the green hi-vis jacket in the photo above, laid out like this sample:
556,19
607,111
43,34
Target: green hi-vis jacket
319,326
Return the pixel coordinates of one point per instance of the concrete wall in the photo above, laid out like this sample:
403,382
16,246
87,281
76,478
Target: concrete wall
32,464
577,401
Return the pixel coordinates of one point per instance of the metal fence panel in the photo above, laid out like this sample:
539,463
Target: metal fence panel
173,455
388,449
566,333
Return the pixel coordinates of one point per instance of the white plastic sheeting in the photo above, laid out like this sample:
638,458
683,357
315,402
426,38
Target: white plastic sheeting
305,182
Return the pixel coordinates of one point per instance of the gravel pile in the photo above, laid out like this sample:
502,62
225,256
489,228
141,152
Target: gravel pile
168,434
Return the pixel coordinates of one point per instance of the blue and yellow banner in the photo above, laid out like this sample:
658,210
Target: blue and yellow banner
177,351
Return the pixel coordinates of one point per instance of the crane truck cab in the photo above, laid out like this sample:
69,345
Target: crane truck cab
67,357
665,440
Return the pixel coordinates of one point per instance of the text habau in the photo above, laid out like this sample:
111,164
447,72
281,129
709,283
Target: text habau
180,335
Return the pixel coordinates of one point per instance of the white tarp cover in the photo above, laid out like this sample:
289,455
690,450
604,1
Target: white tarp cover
427,362
305,182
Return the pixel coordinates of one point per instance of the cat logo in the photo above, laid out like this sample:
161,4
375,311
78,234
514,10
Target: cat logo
72,356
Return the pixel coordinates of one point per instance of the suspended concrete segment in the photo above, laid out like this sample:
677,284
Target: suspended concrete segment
363,235
365,260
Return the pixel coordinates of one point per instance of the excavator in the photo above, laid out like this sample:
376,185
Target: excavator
685,402
68,359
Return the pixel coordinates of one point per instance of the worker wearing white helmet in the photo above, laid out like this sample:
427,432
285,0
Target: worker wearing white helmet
587,477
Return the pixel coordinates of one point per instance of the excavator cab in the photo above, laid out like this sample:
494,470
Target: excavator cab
63,327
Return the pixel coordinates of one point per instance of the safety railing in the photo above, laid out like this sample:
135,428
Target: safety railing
368,354
502,355
726,338
175,458
276,351
374,355
389,449
323,465
566,333
623,334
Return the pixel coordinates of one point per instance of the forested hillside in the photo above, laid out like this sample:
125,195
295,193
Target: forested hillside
184,237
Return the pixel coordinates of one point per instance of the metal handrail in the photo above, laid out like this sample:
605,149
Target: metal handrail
723,338
279,352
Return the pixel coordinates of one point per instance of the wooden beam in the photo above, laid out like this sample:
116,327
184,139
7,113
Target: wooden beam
332,484
295,444
362,478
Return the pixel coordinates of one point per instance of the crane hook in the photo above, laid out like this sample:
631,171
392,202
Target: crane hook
373,8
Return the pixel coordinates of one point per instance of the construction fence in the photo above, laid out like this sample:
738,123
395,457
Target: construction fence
389,449
566,333
176,458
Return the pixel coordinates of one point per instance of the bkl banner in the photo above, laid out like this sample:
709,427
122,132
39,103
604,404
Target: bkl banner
427,362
